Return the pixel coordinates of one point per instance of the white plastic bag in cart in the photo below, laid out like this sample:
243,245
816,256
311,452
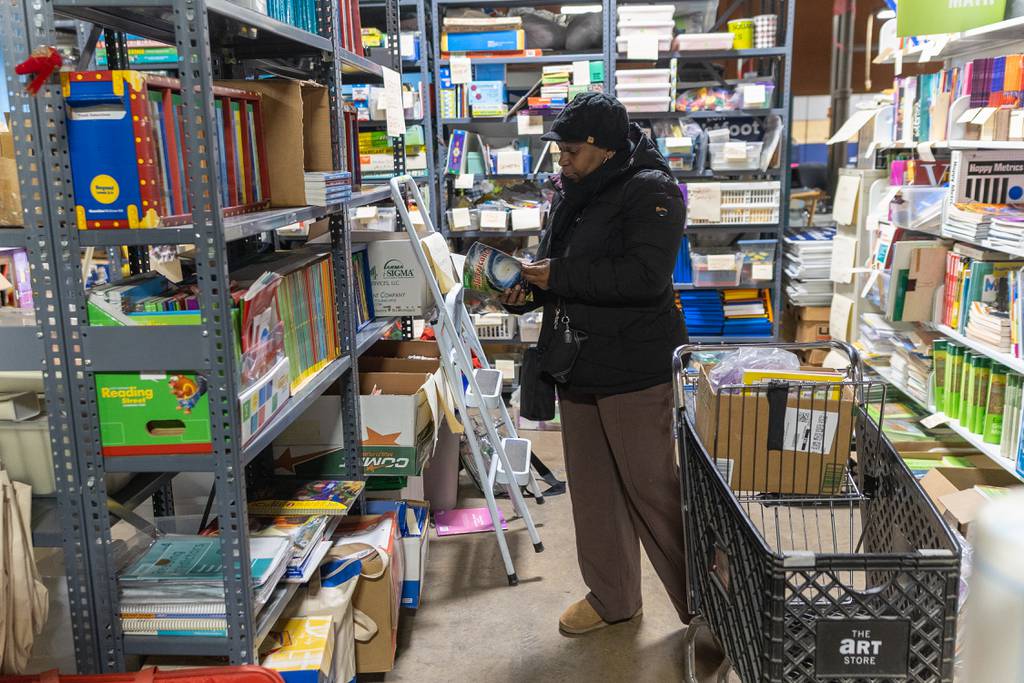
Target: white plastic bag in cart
331,592
730,371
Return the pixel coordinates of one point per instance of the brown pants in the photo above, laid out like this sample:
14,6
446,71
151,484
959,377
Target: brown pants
624,485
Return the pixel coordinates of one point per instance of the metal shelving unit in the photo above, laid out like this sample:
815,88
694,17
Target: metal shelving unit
218,39
776,61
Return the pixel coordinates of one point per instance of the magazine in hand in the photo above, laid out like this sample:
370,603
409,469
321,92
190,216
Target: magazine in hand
491,271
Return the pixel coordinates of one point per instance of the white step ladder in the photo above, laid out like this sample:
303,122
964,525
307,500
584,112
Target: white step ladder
499,455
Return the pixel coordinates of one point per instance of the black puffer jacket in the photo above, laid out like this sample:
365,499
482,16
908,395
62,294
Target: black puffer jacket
612,258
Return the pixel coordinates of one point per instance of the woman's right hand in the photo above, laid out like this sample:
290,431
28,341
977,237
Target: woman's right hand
513,297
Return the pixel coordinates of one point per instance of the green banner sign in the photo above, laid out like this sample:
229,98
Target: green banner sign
927,17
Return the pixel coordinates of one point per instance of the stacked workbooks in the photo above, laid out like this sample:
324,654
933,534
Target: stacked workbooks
177,587
306,534
141,52
747,312
702,312
487,35
1007,230
808,262
968,221
324,188
306,305
332,497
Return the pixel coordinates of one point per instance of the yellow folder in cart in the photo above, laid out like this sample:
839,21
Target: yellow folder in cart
759,376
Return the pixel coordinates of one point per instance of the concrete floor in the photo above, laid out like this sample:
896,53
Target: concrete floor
472,626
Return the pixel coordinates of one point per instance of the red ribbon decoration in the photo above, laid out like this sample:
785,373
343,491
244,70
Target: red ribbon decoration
43,62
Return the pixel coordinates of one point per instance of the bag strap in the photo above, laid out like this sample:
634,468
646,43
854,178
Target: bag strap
364,626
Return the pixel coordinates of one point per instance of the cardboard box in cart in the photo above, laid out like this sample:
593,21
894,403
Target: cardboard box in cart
780,445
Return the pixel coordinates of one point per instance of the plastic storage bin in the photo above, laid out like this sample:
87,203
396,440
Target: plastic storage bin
758,261
691,42
646,104
646,12
769,92
735,156
716,266
916,206
474,221
663,89
529,327
754,203
626,77
495,326
383,219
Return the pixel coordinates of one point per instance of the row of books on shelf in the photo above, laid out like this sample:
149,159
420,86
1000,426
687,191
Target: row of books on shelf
371,103
469,153
486,95
730,313
141,52
980,98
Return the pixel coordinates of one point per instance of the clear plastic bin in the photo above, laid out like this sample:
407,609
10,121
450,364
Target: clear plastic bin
626,77
766,103
644,90
646,104
474,221
695,16
529,327
758,261
383,219
646,12
726,156
916,206
687,42
716,266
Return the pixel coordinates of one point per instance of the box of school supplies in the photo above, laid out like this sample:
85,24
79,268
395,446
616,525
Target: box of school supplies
399,417
807,456
398,284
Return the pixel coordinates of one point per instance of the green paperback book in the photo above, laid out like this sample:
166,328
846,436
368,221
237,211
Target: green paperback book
954,356
966,389
939,372
993,426
980,400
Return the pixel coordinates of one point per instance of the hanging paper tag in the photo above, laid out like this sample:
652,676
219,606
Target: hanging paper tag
462,69
526,219
460,219
527,124
464,181
581,72
366,212
393,102
761,271
642,47
736,150
490,218
721,261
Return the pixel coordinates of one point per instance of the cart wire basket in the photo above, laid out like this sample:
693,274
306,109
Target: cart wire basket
812,552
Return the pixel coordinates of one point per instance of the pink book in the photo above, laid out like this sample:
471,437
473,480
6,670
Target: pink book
465,521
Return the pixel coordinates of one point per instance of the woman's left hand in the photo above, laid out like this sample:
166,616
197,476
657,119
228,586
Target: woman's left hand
537,273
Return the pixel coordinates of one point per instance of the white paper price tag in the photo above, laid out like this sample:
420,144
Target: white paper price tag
736,150
464,181
510,162
721,261
366,212
526,219
581,72
761,271
407,99
705,201
683,144
393,102
754,96
529,125
934,420
491,218
460,219
462,69
641,47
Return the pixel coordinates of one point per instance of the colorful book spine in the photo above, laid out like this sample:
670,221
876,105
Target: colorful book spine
939,371
979,402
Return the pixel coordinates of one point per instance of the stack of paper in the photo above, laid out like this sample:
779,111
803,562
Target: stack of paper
702,311
808,263
1007,230
306,535
748,313
177,587
555,81
970,222
989,325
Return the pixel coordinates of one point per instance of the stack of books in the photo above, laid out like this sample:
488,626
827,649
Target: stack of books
479,36
141,52
324,188
177,587
1007,229
988,324
702,311
808,263
747,312
554,85
968,221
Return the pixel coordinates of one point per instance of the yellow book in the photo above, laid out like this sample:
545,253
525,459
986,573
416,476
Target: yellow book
758,376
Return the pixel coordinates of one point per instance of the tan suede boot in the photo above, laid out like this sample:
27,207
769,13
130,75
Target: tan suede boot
580,617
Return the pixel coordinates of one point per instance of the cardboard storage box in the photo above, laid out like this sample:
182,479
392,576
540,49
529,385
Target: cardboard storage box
959,492
414,527
393,348
398,284
398,423
378,598
297,121
10,192
808,455
301,649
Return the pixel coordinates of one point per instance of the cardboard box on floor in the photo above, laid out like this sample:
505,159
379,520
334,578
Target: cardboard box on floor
736,428
393,348
955,492
414,528
297,130
378,592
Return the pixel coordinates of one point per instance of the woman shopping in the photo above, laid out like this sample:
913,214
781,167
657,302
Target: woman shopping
604,277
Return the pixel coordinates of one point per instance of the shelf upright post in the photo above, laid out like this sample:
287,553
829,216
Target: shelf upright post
329,14
426,61
611,13
37,125
440,145
392,23
785,153
192,38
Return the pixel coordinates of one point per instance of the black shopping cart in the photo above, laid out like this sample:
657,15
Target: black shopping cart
813,554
